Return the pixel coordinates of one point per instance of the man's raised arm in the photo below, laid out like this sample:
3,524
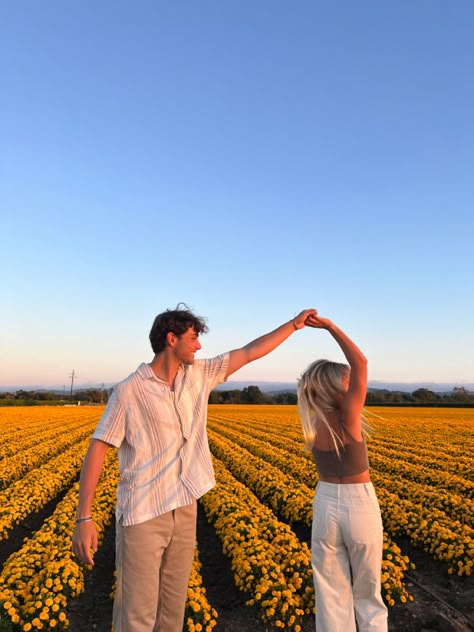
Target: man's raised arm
267,343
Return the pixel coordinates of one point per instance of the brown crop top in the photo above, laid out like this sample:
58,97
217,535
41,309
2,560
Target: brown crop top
352,459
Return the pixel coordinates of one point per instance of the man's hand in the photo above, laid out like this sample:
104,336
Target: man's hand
85,540
303,318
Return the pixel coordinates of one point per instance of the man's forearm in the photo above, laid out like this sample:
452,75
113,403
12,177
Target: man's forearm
90,474
268,342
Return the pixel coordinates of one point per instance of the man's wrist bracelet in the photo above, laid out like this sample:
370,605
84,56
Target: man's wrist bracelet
88,519
294,324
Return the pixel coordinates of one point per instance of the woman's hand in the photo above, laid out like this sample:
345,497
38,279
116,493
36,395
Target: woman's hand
318,322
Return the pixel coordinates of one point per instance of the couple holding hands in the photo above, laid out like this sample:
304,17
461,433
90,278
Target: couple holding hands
156,419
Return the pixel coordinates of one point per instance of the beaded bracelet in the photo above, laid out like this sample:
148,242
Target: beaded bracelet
88,519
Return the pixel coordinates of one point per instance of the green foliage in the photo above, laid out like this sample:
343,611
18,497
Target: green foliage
250,395
459,397
52,398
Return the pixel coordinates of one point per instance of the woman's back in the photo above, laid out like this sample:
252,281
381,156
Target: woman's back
346,464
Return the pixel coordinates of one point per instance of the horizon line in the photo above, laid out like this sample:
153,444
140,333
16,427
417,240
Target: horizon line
108,384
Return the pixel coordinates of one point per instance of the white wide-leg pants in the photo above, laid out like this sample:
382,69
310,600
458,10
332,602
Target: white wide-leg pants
346,552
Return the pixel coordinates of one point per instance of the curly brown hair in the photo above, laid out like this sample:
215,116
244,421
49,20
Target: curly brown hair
178,321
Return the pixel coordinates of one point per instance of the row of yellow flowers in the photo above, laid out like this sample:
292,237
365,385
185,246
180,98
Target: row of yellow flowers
292,500
447,431
14,467
269,563
284,431
20,429
38,581
434,517
424,475
200,616
38,487
301,466
425,523
445,539
439,439
453,505
427,530
64,576
23,428
439,444
433,458
288,497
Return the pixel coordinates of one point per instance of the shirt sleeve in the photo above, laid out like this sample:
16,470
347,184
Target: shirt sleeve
111,427
214,369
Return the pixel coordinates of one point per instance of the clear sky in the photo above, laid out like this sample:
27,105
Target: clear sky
250,158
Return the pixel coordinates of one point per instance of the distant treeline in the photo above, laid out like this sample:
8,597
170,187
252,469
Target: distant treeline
251,395
459,396
52,398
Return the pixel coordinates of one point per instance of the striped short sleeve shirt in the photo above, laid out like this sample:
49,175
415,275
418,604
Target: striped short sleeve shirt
161,436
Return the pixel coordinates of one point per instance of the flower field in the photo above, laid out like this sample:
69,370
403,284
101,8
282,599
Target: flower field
421,466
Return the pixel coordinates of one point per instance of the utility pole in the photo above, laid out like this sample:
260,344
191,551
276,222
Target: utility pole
102,394
72,376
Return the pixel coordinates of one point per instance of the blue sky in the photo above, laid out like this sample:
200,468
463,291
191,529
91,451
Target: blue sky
248,158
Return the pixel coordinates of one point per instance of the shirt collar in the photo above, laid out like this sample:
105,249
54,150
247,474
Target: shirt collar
146,372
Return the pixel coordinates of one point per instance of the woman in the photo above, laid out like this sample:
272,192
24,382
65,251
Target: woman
347,534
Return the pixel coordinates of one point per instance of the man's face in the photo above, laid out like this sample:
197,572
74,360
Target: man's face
186,346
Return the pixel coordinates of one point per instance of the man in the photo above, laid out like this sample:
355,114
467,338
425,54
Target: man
156,418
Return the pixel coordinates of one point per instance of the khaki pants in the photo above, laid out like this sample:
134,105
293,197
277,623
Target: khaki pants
153,561
346,551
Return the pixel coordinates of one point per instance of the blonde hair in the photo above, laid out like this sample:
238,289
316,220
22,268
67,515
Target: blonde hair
320,390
